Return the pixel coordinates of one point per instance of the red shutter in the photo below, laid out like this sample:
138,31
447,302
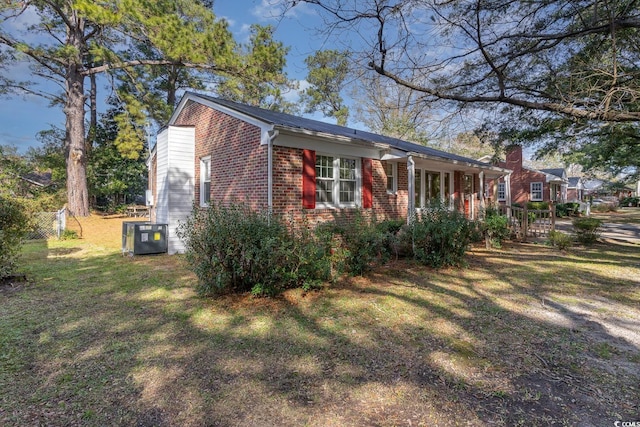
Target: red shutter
308,179
367,184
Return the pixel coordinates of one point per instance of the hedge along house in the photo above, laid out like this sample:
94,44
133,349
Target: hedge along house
219,151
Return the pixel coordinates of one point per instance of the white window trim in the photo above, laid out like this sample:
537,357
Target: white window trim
336,184
531,192
203,179
394,173
504,191
424,184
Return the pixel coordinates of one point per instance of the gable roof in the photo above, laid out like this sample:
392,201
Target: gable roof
292,123
575,182
559,172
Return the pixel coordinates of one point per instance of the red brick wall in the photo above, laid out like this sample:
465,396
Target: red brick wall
385,205
239,171
522,178
287,192
238,161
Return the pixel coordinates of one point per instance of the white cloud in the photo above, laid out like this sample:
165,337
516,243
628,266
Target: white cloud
303,84
294,94
269,10
231,22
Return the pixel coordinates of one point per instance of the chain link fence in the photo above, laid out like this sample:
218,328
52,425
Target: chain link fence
48,224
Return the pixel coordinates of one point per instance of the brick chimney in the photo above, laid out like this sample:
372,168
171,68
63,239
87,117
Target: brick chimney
514,157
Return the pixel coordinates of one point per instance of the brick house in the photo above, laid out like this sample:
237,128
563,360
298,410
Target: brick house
217,150
527,185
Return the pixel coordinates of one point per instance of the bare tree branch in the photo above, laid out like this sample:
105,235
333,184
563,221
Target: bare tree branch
575,58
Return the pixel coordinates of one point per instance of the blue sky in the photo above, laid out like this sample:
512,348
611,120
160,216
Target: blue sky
22,118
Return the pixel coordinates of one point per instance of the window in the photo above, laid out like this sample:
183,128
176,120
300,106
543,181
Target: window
205,181
428,187
501,191
447,187
324,179
337,181
347,181
468,185
536,191
555,192
391,170
433,187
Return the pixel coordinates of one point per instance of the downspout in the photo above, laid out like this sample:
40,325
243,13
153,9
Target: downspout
273,134
411,169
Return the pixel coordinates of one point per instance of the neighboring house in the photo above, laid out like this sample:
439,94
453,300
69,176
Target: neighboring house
611,190
575,189
217,150
38,179
594,188
526,184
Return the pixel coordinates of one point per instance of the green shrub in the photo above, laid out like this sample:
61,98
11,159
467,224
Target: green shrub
562,210
14,223
236,249
560,240
364,244
587,229
496,228
567,209
573,208
538,206
393,240
311,260
630,202
69,235
440,237
477,234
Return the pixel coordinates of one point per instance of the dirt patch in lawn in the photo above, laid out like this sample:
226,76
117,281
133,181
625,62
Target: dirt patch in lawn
525,335
12,283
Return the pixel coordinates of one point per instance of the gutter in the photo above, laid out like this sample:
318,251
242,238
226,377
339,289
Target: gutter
461,163
334,137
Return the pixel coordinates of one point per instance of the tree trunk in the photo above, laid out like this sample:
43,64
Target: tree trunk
76,155
172,83
93,115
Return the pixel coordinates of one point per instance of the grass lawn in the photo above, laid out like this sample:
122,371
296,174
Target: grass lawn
525,335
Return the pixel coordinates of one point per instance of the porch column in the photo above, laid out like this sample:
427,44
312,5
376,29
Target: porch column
507,193
494,191
411,170
482,205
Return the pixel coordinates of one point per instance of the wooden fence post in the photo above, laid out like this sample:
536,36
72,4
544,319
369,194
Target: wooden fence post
525,223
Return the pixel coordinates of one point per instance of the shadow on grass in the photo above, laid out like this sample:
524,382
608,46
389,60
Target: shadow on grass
110,340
